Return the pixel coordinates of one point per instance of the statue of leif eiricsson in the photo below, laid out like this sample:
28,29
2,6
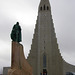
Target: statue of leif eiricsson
16,33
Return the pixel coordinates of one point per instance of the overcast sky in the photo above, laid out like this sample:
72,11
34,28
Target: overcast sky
26,11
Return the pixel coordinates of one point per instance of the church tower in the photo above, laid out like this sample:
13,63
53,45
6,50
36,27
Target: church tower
44,56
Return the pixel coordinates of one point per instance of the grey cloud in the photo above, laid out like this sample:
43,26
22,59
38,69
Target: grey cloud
63,14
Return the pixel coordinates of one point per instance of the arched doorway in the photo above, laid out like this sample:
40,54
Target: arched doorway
44,72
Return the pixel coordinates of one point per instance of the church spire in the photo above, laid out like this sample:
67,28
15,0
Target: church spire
44,54
44,5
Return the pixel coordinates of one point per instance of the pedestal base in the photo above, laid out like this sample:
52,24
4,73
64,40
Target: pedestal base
19,65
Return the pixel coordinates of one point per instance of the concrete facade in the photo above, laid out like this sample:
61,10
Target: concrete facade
44,48
68,67
5,70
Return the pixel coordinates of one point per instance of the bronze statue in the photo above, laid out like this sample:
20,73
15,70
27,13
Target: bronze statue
16,33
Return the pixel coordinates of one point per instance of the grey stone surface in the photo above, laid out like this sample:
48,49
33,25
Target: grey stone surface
5,70
68,67
44,42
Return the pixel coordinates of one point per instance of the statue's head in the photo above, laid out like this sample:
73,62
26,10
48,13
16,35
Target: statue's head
17,23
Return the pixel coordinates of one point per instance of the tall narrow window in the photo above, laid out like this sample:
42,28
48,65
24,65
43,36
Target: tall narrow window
40,8
44,7
44,61
47,8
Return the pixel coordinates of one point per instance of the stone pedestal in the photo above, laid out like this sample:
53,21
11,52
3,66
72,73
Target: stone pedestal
19,65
